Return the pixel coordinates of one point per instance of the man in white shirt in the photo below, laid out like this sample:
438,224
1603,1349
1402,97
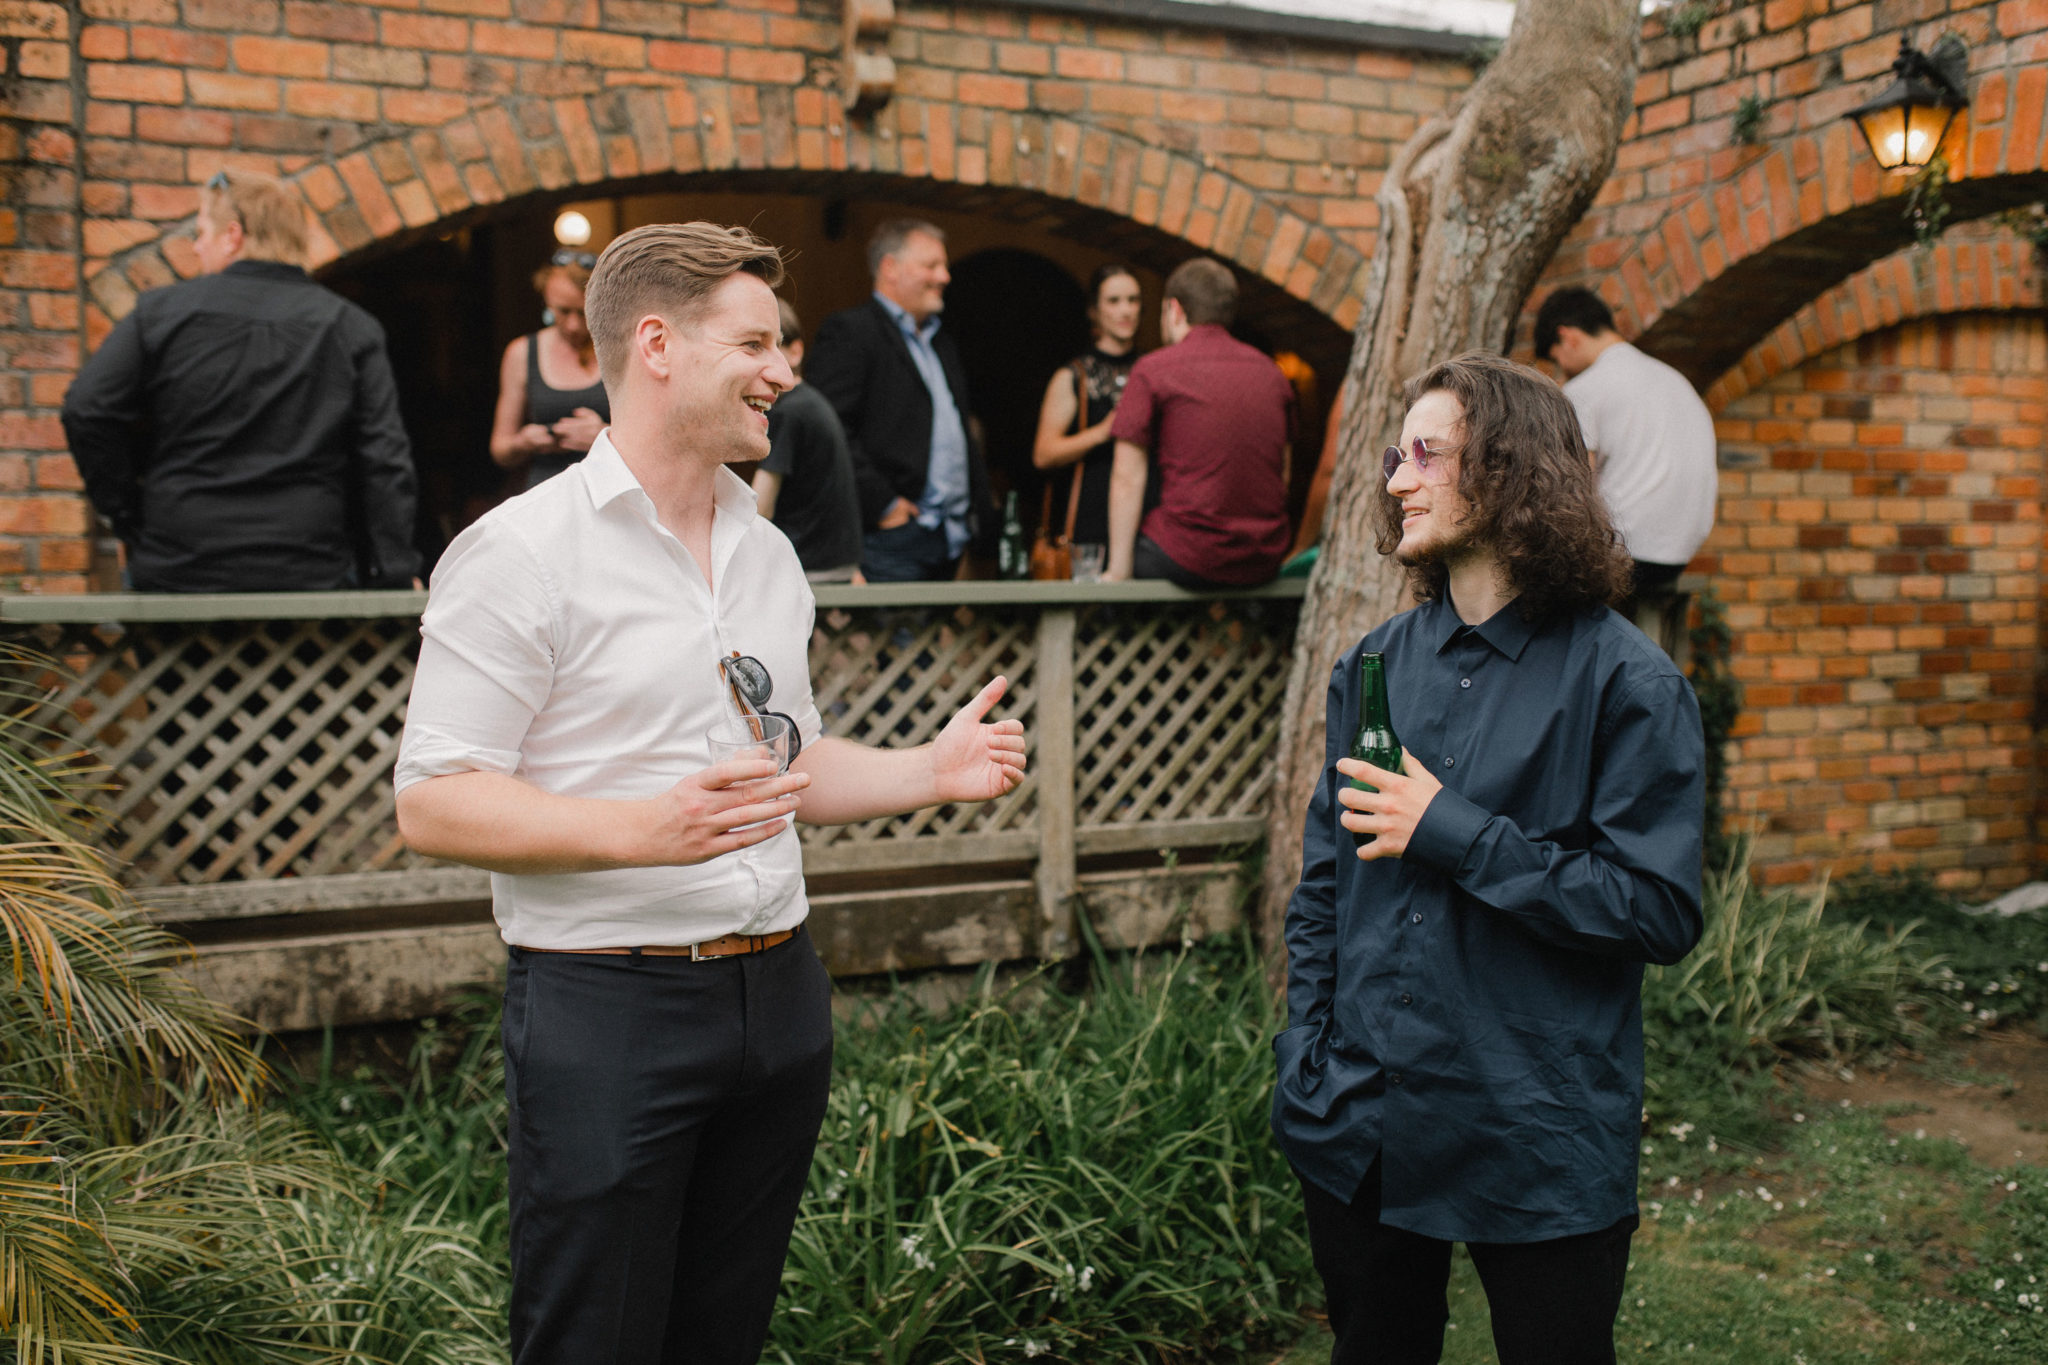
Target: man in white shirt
1651,436
668,1031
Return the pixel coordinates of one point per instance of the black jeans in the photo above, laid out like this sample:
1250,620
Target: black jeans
663,1115
1553,1303
1149,561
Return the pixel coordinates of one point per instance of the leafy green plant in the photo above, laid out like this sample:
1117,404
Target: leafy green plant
1773,977
1720,701
1927,206
1686,20
1087,1178
148,1209
1747,125
1994,967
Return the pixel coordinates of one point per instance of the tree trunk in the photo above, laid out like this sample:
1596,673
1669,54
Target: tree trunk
1470,212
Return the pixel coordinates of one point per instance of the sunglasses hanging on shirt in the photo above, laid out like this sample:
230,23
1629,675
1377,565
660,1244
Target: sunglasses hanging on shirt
751,687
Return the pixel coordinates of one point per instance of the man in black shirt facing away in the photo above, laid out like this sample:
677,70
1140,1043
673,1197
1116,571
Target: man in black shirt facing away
240,430
805,486
1464,1056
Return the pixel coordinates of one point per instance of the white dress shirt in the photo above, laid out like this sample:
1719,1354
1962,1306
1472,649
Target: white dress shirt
571,641
1654,441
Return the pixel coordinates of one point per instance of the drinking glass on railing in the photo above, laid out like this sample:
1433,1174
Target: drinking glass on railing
1088,562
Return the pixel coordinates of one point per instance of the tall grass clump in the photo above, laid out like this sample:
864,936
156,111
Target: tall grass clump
1775,977
150,1209
1087,1176
1995,965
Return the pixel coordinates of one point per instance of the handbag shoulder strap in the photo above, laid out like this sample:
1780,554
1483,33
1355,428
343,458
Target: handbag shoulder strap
1080,424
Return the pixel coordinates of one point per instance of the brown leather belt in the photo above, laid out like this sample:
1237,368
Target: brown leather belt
729,945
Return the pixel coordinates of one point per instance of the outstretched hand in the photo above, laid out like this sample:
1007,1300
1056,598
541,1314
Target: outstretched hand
1391,813
974,761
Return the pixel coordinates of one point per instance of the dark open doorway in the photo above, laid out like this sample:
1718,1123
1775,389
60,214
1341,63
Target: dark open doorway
1018,317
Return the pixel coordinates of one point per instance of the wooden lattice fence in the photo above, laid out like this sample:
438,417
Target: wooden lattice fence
251,740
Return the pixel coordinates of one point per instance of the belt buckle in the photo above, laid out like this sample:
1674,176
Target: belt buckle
696,952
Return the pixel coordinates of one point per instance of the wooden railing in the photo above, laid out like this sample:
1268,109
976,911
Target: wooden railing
251,740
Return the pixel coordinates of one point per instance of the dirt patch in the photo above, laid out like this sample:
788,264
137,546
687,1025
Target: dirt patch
1991,1095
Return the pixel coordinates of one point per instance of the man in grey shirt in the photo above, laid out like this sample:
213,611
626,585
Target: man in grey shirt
1652,438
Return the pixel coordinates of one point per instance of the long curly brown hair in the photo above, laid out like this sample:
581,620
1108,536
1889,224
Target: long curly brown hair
1529,487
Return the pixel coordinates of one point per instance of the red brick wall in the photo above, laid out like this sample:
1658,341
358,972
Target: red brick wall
1879,550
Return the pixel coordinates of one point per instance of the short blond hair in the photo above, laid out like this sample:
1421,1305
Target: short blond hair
273,219
666,268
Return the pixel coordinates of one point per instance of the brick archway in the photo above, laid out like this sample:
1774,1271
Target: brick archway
1973,269
1708,244
1158,204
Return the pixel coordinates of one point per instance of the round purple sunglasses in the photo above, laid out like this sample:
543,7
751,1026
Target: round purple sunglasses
1391,459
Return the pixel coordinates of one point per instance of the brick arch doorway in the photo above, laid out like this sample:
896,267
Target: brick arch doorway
452,294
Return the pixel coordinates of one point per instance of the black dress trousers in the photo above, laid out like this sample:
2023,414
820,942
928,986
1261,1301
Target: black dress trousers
663,1117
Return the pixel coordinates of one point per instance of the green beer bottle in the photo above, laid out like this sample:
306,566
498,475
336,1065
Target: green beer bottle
1013,552
1375,743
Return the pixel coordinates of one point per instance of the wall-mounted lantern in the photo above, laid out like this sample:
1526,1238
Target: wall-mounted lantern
1905,124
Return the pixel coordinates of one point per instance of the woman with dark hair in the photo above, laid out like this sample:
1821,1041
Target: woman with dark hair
1071,436
551,402
1463,1060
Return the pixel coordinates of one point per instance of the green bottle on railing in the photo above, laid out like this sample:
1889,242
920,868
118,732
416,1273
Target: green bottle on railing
1013,552
1375,743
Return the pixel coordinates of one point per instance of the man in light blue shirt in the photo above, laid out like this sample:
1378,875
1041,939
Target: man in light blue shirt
895,379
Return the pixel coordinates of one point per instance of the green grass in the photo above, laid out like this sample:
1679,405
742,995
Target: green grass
1846,1243
1085,1175
1034,1173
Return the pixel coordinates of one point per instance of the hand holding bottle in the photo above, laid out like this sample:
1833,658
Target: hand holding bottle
1383,807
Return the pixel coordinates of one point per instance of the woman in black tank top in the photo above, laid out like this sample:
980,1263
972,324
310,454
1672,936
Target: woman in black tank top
1073,428
537,425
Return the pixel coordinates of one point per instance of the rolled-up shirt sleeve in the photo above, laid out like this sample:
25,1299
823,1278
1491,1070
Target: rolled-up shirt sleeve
487,658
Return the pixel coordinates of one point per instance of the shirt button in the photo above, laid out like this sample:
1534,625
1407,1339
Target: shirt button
1416,918
1395,1078
1464,682
1407,999
1450,762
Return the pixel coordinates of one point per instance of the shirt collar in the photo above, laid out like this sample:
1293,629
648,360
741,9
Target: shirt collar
1507,630
276,270
604,472
607,478
895,310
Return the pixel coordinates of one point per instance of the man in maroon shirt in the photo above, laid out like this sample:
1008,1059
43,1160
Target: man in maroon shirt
1216,417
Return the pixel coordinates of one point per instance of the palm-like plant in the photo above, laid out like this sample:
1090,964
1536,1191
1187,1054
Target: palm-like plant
149,1209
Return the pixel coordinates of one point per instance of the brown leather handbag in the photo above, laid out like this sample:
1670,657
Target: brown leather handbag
1053,556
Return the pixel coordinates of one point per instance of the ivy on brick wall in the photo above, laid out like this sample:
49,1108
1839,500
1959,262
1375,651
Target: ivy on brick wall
1720,698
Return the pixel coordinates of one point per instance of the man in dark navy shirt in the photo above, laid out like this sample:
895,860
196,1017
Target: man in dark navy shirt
1463,1061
